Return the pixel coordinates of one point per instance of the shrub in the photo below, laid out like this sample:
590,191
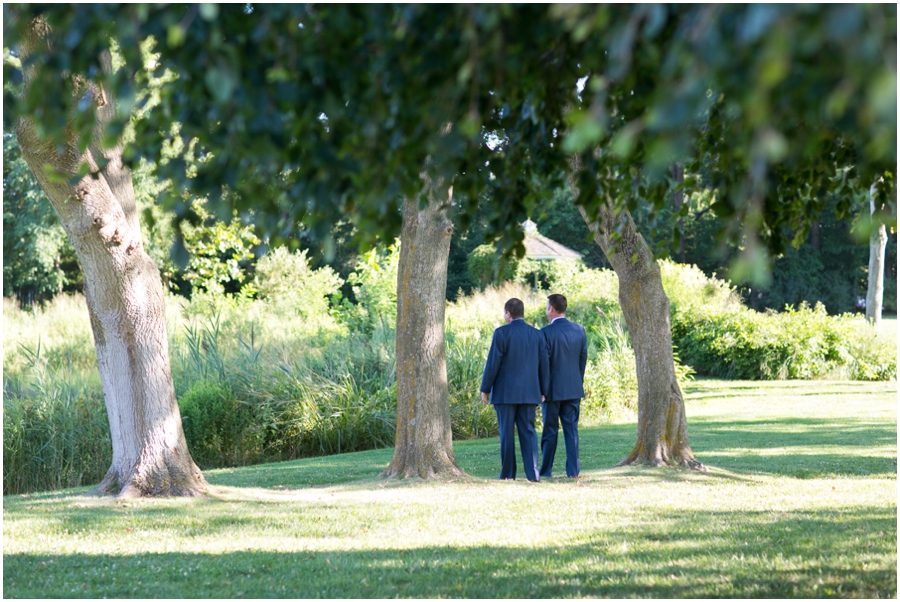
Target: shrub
285,280
718,336
220,429
375,288
486,266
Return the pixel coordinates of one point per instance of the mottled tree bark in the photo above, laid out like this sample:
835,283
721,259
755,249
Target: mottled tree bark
662,436
424,440
125,301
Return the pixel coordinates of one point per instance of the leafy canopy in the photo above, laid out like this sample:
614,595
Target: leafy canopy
329,112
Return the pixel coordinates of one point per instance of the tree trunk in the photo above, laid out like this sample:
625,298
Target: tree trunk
125,302
877,245
662,437
424,440
814,237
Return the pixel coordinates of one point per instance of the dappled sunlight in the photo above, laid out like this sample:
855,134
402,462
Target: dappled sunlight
823,451
788,508
690,552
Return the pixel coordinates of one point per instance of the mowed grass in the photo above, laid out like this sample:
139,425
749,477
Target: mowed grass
800,501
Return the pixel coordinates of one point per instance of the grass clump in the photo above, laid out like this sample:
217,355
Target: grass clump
55,429
800,502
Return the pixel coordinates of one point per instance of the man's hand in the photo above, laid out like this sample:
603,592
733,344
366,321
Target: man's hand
543,399
485,398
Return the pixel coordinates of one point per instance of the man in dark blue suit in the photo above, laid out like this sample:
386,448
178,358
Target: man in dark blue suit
567,348
516,379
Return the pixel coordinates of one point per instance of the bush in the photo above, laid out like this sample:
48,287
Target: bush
220,429
719,336
375,288
285,280
486,266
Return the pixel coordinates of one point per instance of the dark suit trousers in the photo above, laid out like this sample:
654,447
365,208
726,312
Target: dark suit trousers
522,416
554,412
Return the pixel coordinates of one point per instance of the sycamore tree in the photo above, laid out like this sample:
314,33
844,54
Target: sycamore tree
788,104
384,115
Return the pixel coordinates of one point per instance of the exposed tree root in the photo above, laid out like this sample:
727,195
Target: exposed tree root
639,456
438,468
165,478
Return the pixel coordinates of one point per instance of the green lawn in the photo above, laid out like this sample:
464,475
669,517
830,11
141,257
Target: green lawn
800,501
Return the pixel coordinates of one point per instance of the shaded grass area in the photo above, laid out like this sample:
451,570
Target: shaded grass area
800,501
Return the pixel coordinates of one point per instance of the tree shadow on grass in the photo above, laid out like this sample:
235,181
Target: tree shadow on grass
307,472
796,447
793,447
705,387
685,554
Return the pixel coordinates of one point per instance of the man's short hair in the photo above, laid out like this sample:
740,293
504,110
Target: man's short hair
558,302
515,307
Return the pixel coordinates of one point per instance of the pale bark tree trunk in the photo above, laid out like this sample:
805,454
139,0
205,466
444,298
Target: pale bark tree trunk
662,436
125,301
877,245
424,440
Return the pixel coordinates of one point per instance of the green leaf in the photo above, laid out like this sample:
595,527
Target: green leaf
209,12
176,36
585,132
221,83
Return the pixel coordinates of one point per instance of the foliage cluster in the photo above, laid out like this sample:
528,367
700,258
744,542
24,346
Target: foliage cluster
719,336
220,252
830,266
38,260
374,285
486,266
292,287
790,103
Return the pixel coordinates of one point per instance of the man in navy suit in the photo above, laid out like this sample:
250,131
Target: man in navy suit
567,348
516,379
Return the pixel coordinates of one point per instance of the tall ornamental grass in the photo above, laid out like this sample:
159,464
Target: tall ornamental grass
55,428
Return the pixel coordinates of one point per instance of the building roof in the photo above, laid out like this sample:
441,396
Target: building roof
541,247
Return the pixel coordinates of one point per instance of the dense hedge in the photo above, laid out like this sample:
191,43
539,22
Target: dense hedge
718,336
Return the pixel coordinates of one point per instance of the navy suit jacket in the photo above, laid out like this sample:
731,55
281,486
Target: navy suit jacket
517,368
567,348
